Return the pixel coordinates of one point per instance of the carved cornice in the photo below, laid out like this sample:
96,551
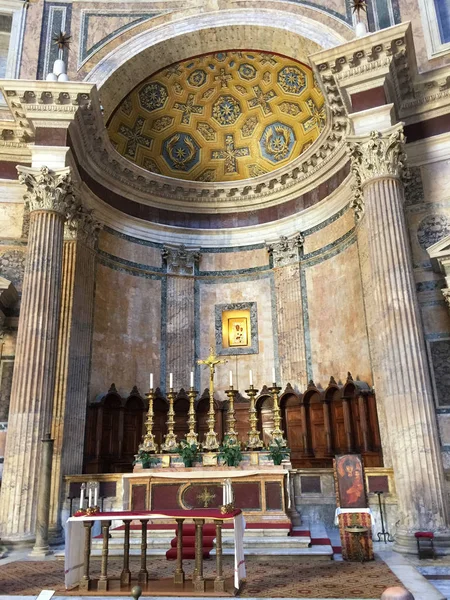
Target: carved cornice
446,294
46,189
180,260
287,250
82,226
385,56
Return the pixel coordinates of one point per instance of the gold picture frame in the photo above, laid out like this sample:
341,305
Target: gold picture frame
238,331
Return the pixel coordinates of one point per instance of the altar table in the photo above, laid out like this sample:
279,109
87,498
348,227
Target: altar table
75,549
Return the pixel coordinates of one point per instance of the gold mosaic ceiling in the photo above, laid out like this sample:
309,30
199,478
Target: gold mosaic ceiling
220,117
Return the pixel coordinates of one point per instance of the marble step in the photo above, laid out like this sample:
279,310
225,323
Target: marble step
270,542
315,552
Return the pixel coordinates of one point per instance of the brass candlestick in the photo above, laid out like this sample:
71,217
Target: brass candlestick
210,442
254,440
148,443
277,432
191,436
230,433
170,439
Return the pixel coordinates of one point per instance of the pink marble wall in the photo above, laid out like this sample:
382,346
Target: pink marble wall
337,318
127,332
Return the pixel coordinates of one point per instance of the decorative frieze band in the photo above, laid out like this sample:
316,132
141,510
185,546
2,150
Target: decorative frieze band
180,260
46,189
286,250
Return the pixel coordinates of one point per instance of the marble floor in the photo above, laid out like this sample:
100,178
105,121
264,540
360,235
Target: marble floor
409,570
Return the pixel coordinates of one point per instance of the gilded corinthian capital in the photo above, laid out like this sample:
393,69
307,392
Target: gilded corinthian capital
380,154
46,189
81,225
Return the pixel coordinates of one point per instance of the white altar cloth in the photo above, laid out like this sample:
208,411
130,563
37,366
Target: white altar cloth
74,548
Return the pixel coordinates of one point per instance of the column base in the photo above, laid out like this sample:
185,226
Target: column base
406,543
40,552
56,536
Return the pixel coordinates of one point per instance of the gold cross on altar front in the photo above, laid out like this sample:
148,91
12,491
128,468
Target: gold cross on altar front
206,497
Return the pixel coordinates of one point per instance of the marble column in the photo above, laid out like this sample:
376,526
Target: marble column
180,354
402,378
285,255
48,195
74,354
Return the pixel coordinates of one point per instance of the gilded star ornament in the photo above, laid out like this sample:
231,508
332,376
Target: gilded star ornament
359,6
206,497
62,40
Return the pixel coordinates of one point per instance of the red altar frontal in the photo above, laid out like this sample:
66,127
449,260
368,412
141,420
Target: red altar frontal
261,494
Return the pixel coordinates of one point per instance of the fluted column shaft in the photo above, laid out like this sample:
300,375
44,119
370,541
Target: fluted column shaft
403,378
74,350
35,363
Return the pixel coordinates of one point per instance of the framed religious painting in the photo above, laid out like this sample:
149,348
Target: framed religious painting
349,478
236,328
237,332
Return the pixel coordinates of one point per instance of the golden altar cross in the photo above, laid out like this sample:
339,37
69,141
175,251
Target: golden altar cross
206,497
210,442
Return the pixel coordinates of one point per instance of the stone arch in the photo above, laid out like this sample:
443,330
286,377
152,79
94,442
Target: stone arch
121,70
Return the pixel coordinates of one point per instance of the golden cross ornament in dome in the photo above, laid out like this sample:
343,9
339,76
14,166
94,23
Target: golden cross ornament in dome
210,442
206,497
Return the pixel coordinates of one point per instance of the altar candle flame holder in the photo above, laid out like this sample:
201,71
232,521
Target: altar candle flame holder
170,440
254,441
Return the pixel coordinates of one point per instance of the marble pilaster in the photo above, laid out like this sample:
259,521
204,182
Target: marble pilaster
181,263
401,375
74,353
48,195
285,255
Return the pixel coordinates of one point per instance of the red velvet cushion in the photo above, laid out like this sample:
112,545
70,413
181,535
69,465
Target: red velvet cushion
424,534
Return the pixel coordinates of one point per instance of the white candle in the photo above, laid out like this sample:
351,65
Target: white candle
274,379
231,379
90,496
224,493
250,377
192,379
171,380
96,494
151,381
83,485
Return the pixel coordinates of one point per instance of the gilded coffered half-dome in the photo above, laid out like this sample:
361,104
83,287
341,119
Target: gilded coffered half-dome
220,117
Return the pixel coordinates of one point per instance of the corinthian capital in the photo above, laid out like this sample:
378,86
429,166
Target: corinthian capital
81,225
180,260
380,154
446,294
46,189
286,250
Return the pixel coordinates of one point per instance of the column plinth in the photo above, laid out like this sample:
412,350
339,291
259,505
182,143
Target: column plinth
48,195
402,377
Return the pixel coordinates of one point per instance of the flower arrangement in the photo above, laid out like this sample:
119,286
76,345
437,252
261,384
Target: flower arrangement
230,452
278,452
145,458
188,452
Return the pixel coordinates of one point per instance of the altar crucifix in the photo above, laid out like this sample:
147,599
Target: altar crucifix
210,442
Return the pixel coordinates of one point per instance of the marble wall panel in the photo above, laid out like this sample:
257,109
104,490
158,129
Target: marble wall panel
12,264
180,330
11,217
337,325
436,181
410,11
31,44
257,290
289,310
229,261
330,233
127,249
435,316
127,331
444,428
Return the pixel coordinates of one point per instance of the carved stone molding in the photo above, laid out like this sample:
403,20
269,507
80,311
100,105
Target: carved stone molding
446,294
180,260
46,189
286,250
82,226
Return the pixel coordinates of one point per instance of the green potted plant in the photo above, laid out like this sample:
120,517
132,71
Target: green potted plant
188,452
278,452
145,458
230,453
